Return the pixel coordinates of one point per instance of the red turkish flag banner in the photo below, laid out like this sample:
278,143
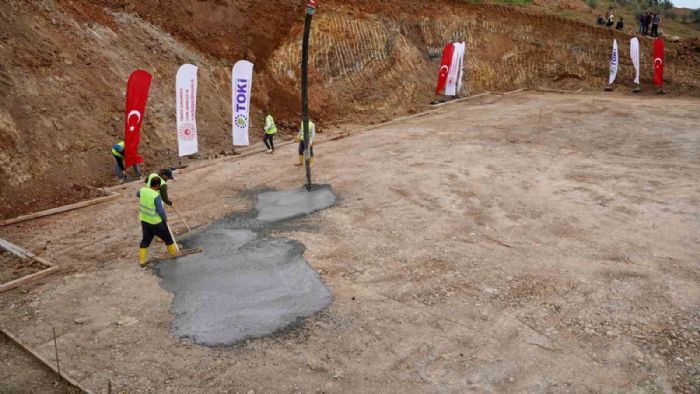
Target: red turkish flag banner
658,62
445,64
136,96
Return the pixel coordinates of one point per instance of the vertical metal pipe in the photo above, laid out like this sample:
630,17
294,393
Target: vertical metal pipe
305,95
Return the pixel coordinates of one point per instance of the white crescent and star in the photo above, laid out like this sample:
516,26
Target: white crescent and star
658,61
444,69
128,119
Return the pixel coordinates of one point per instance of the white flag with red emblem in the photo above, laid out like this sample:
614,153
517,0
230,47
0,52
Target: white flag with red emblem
456,71
186,105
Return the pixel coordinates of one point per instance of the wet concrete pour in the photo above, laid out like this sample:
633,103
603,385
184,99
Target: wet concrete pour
246,284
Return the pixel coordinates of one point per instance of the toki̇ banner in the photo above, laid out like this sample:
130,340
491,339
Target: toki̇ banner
614,63
659,62
634,54
456,70
445,64
186,106
242,83
136,97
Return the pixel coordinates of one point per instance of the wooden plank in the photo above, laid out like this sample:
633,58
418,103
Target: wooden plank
450,102
550,90
64,208
182,253
10,247
14,249
514,91
26,279
43,361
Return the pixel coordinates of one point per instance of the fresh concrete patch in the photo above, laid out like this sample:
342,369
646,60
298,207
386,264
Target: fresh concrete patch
280,205
245,285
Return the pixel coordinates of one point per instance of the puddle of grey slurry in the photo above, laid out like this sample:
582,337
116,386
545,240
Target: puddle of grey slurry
244,285
280,205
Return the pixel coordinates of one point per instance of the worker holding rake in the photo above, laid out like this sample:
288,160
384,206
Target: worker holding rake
153,220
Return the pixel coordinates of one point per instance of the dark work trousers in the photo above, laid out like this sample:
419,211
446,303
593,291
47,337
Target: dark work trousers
654,30
155,230
302,147
269,141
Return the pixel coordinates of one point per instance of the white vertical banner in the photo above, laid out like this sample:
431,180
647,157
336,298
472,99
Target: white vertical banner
456,70
614,63
634,54
186,105
242,83
460,78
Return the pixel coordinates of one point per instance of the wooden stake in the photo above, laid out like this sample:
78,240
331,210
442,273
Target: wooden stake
55,345
43,361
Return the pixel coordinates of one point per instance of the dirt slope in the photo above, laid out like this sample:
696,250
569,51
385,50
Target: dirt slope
62,99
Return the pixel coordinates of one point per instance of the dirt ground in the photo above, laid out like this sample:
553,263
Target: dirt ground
524,243
20,373
13,267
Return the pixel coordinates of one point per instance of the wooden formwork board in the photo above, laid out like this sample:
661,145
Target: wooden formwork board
110,196
19,252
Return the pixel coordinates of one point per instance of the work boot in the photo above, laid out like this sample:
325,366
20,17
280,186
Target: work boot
172,249
301,161
143,254
269,151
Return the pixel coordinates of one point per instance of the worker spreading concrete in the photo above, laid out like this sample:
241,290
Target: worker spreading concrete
302,145
165,174
153,219
270,131
119,170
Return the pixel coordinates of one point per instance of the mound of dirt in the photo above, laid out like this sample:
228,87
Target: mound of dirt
62,102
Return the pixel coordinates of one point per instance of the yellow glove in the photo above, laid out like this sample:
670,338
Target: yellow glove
173,205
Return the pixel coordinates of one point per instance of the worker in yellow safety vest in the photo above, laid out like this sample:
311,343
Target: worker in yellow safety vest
165,174
153,220
119,170
270,131
302,144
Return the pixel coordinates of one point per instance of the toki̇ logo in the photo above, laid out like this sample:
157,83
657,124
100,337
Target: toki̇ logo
240,120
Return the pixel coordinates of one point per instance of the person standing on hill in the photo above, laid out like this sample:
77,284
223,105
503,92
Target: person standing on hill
600,21
655,25
647,22
270,131
620,25
611,21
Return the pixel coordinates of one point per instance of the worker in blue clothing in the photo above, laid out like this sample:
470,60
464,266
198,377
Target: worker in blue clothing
119,169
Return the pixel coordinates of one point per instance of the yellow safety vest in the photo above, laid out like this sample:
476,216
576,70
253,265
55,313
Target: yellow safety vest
116,152
150,177
270,127
312,131
147,211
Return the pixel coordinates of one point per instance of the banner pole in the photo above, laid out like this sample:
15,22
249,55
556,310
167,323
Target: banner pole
310,10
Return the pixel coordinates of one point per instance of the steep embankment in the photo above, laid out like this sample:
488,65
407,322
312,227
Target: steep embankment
67,63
